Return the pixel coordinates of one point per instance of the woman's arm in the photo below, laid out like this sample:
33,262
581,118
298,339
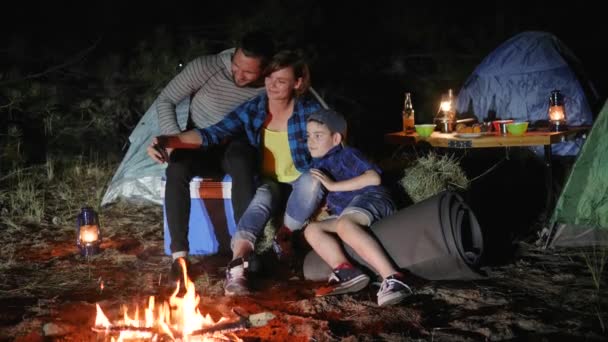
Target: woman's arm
233,124
161,147
367,178
187,139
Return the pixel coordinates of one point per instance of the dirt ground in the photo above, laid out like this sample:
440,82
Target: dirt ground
48,292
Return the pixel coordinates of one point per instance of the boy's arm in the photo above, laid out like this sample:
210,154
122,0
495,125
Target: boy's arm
367,178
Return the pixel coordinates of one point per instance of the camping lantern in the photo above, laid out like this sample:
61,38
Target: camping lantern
557,112
446,116
88,234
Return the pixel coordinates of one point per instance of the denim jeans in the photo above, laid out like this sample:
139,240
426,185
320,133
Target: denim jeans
375,205
304,195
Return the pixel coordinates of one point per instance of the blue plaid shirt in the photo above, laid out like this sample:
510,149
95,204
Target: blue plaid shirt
249,118
342,163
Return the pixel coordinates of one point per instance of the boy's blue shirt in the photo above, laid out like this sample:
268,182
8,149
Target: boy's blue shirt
342,163
249,118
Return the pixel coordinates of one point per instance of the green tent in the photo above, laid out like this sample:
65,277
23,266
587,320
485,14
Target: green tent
581,213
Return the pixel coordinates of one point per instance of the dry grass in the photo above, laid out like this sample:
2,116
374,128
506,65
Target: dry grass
52,193
431,174
595,260
7,255
264,242
38,207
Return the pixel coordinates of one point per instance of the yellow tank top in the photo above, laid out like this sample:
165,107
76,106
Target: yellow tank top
276,159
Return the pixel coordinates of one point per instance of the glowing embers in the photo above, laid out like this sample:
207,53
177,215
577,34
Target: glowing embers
178,319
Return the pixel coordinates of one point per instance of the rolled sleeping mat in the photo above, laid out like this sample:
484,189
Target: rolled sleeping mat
436,239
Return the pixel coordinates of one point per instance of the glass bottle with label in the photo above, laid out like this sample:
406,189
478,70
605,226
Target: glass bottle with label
408,114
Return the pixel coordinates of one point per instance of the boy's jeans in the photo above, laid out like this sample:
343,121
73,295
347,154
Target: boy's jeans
305,196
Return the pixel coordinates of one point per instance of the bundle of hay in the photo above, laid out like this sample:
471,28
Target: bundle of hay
264,242
432,174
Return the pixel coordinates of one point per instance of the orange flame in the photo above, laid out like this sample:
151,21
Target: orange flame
179,316
89,233
557,113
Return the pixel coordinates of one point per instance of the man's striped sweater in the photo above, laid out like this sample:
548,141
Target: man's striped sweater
208,81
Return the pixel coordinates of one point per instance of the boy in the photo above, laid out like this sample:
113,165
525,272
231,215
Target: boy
356,200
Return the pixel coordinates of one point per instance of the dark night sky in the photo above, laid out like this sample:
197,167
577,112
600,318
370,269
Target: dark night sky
358,31
123,21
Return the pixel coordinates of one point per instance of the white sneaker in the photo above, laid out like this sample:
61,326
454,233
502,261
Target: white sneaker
236,278
392,291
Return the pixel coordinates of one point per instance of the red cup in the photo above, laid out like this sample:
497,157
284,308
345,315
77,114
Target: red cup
498,123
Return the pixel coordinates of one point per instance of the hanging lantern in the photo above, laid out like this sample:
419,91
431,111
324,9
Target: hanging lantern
88,234
557,112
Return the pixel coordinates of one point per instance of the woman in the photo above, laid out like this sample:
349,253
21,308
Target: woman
275,124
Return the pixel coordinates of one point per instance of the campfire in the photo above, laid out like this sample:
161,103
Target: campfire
177,319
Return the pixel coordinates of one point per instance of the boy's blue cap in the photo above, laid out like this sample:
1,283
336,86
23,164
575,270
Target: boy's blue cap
332,119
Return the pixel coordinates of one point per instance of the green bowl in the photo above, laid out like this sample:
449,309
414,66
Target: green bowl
517,128
425,130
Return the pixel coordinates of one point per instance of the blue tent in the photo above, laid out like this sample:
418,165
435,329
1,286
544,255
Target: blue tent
515,80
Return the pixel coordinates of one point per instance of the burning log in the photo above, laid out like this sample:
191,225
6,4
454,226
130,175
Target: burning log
121,328
256,320
245,322
241,324
218,328
177,318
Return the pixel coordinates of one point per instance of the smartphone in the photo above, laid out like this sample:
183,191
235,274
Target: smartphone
163,152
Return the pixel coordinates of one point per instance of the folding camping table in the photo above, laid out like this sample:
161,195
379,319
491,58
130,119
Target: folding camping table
495,140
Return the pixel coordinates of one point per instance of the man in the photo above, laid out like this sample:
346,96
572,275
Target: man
216,85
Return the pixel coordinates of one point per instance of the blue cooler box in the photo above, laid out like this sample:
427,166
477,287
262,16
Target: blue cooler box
206,197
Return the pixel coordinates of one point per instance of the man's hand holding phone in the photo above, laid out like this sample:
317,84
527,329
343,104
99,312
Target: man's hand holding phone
158,149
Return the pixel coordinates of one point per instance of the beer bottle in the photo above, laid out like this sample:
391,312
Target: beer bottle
408,114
